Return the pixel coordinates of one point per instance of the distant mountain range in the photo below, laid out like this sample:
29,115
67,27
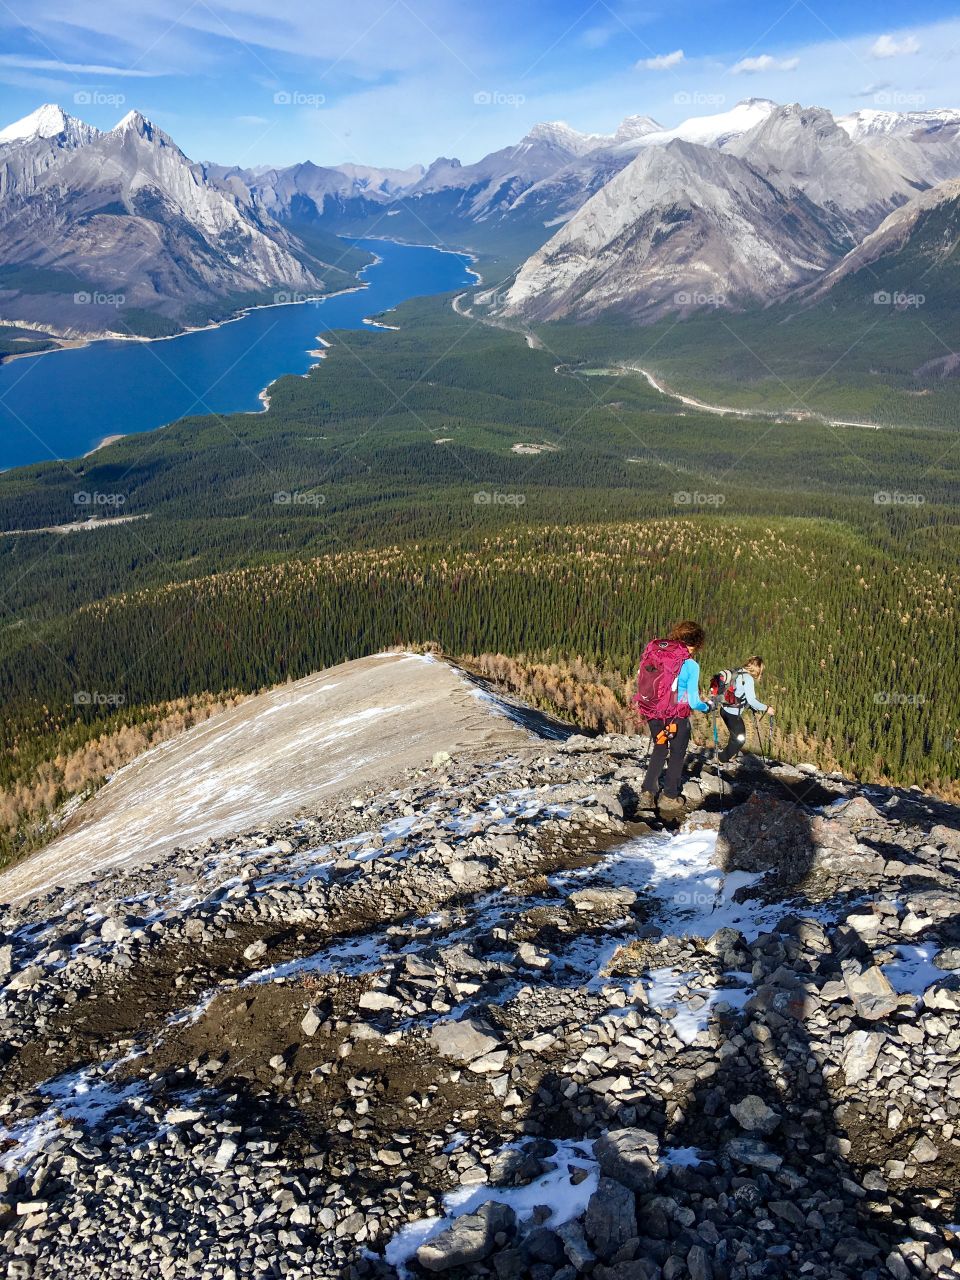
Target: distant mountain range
119,231
746,218
725,210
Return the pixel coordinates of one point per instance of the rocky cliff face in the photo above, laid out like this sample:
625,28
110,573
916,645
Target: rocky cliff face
102,226
487,1022
682,228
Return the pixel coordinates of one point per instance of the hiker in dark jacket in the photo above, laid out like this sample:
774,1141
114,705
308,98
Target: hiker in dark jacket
745,695
671,734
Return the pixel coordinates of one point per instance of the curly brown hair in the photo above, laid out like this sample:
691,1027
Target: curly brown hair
689,633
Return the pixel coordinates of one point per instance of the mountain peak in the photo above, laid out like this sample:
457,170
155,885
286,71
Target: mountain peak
136,121
873,122
560,134
706,131
48,121
636,127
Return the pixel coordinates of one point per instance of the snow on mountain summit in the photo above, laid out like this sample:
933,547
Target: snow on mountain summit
871,122
560,134
707,131
48,121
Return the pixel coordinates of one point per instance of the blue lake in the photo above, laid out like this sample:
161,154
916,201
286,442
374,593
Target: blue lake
63,403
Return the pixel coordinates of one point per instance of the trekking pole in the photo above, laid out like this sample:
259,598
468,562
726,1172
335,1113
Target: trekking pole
756,725
770,736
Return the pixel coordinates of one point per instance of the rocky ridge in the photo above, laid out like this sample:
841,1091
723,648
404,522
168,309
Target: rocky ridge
492,1021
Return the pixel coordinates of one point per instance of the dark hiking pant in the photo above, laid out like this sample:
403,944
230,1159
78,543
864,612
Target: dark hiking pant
672,754
737,732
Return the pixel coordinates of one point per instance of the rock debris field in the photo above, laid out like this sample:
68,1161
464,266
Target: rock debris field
489,1021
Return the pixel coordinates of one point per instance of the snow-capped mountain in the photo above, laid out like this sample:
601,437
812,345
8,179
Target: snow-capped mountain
126,215
681,227
48,121
562,135
28,147
742,215
715,130
803,149
872,123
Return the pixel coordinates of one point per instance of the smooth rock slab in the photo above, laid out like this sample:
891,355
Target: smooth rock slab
870,990
601,898
469,1239
860,1052
463,1041
629,1156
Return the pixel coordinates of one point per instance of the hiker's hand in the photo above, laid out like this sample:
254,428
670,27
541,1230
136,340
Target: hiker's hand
771,710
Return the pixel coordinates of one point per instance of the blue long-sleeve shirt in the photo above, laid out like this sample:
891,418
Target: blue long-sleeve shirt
688,686
746,691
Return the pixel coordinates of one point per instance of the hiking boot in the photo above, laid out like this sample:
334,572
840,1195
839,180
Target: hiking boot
647,802
672,808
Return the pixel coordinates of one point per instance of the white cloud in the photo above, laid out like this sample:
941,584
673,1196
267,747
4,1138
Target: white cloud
663,61
764,62
72,68
252,120
891,47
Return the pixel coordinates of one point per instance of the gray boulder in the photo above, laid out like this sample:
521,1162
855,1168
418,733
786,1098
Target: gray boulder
766,834
754,1115
860,1052
462,1041
469,1239
629,1156
611,1218
870,990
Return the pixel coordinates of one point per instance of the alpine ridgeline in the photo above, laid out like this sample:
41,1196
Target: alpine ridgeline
119,232
742,206
737,219
479,1019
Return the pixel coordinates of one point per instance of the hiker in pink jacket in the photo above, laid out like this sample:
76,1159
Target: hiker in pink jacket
668,690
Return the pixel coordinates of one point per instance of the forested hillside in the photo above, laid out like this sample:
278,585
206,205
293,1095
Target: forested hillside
448,484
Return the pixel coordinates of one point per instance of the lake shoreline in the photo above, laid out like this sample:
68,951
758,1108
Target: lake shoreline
115,391
76,344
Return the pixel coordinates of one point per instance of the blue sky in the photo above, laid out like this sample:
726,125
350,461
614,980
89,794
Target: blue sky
393,82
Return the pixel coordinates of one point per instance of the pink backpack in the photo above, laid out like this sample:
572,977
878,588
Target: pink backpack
656,696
